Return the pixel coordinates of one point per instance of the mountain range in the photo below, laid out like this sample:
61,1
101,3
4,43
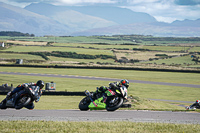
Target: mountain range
46,19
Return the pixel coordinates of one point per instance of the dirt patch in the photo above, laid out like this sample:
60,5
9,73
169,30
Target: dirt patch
26,42
63,62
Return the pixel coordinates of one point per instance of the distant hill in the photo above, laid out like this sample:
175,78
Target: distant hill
155,29
116,14
44,19
110,13
17,19
186,22
76,20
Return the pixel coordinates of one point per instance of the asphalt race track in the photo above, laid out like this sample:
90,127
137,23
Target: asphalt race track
119,115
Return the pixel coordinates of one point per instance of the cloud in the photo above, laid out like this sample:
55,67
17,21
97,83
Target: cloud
162,10
23,3
74,2
187,2
166,10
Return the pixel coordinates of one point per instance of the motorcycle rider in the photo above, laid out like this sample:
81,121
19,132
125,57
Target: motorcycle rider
195,105
39,83
114,86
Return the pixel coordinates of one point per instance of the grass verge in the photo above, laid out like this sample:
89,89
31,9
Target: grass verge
72,102
95,127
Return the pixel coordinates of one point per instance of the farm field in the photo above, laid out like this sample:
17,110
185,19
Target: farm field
129,51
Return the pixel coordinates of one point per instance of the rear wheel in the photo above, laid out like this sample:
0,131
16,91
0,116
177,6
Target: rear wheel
84,103
22,101
114,104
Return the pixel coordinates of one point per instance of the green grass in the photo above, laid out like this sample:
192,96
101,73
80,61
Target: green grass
69,60
99,46
63,49
171,77
195,49
166,48
77,39
20,56
146,55
95,127
164,92
71,102
182,60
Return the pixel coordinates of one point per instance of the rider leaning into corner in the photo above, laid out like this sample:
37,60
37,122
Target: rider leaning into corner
195,105
39,83
124,84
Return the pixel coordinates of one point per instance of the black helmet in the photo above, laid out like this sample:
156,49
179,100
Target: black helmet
40,83
125,83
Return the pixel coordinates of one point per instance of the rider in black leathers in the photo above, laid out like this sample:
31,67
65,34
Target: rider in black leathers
195,105
113,86
39,83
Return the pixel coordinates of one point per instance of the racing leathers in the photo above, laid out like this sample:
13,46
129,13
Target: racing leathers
195,105
113,86
26,86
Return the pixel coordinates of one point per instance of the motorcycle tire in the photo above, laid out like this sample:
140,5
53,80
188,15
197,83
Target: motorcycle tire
22,103
84,103
3,105
119,104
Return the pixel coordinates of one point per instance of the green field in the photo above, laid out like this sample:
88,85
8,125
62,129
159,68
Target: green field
166,48
20,56
96,46
128,50
66,49
181,61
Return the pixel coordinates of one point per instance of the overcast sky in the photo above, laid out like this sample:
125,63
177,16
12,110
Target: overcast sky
162,10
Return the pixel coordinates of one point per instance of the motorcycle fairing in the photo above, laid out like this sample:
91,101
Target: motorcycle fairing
98,104
110,92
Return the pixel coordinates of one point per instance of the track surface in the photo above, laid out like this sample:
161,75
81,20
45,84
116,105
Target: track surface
119,115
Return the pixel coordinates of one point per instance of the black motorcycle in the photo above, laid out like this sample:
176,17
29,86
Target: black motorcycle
20,99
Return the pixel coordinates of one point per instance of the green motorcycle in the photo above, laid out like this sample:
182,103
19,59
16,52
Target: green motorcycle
110,100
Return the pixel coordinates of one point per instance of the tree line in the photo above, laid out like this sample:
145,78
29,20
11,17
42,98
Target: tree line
70,55
15,33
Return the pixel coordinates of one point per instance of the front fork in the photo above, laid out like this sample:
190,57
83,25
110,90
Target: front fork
87,93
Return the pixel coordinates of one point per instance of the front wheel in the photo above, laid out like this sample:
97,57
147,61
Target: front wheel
117,103
3,104
84,103
22,101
